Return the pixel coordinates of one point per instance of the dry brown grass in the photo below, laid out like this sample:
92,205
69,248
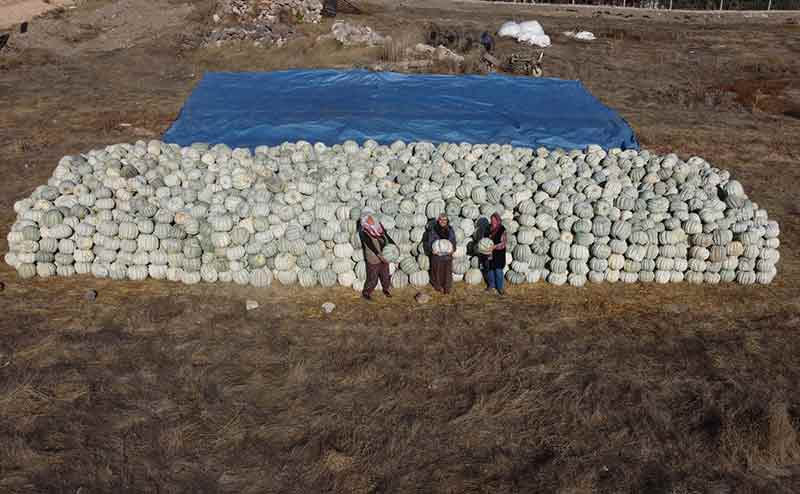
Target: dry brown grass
298,53
158,387
466,393
401,47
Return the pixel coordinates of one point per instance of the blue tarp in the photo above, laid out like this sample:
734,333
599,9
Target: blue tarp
247,109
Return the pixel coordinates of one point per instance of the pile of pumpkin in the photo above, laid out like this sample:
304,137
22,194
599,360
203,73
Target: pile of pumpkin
290,212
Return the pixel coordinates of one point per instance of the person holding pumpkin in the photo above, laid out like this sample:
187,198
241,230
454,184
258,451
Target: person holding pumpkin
374,239
494,260
442,245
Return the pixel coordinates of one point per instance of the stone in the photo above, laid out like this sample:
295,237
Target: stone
422,298
351,34
328,307
264,21
424,49
447,55
251,305
90,295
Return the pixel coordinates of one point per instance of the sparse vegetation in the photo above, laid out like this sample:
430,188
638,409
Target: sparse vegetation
158,387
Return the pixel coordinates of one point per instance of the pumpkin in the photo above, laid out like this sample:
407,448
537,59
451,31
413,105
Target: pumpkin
261,278
694,277
208,273
527,235
347,278
560,250
63,259
58,231
646,276
147,242
26,270
343,250
473,276
515,278
65,269
485,246
391,253
340,266
52,218
621,230
327,278
284,262
319,264
155,271
221,223
408,265
307,278
579,252
558,266
442,247
571,216
189,277
557,278
400,279
137,273
577,280
287,277
235,253
419,278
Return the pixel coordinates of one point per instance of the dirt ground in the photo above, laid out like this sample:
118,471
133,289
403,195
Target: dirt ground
16,11
164,388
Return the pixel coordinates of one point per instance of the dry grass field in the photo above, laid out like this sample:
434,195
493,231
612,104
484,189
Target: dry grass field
165,388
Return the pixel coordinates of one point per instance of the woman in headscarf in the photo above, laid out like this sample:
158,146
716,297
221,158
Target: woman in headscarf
373,239
442,263
494,263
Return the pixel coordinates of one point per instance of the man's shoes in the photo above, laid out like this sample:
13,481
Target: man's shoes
366,296
387,294
501,292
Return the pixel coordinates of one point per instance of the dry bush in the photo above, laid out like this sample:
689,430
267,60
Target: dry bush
401,47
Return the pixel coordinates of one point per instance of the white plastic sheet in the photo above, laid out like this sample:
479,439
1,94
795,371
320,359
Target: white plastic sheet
509,29
530,32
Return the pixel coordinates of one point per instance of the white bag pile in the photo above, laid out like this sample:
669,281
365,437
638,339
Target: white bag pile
203,213
530,32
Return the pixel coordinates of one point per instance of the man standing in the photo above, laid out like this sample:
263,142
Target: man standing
442,262
373,239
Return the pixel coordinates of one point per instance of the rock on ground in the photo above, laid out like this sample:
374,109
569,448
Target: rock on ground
440,53
351,35
422,298
261,21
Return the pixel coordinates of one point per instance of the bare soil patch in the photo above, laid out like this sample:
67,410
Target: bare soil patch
14,12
